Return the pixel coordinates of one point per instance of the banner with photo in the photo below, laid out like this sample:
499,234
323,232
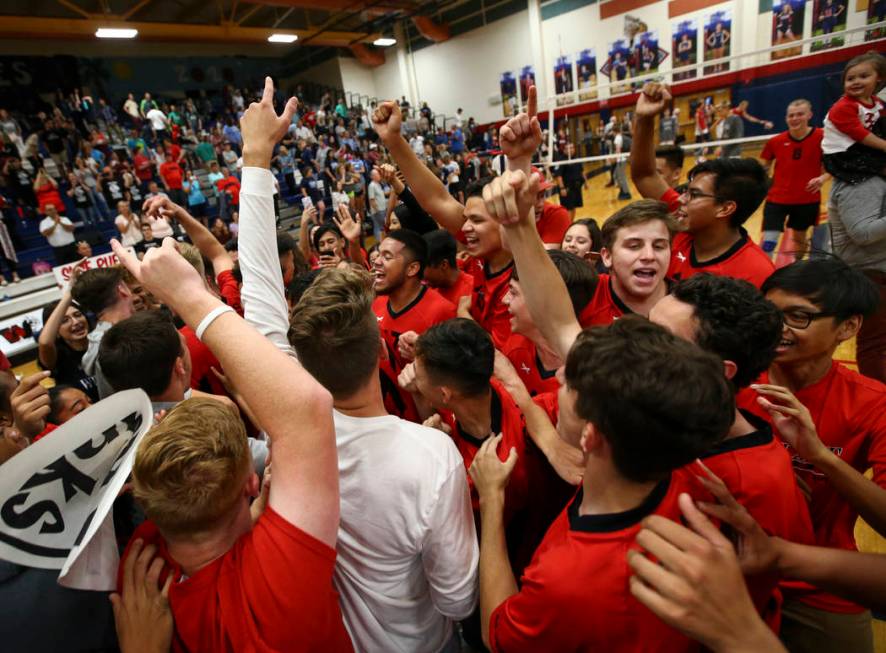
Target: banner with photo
18,334
586,65
787,26
563,81
717,40
57,494
684,48
508,87
876,14
647,54
828,16
617,66
527,79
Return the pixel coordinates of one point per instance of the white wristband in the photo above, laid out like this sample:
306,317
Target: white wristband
210,318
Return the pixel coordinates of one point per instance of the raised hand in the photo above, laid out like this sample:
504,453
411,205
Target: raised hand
261,127
387,172
510,198
161,207
521,136
387,120
406,345
350,227
30,405
489,473
652,100
792,421
406,379
436,422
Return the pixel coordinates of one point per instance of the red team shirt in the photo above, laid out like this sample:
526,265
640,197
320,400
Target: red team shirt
272,591
426,310
487,305
462,287
744,260
574,595
757,470
849,412
605,307
796,162
553,224
523,354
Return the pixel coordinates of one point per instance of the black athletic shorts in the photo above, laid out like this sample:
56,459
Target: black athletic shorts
800,216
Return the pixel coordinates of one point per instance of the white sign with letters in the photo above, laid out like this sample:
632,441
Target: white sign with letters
57,493
63,272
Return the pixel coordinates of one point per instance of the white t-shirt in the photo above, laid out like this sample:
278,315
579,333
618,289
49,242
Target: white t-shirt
129,234
131,107
157,118
60,237
407,549
377,194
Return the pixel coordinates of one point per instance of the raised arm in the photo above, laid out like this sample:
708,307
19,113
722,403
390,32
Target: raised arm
510,199
650,103
202,238
47,353
264,301
429,190
521,135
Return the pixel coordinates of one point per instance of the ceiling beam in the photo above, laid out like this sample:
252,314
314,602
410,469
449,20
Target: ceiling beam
64,28
339,5
72,7
138,7
249,13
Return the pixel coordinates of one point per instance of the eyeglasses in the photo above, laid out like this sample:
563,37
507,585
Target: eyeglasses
802,319
695,194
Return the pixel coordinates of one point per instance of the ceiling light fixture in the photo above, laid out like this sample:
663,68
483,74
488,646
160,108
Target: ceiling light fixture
283,38
384,41
115,33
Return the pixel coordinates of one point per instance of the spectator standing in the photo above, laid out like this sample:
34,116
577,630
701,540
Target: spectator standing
59,232
196,199
159,124
173,179
377,205
128,225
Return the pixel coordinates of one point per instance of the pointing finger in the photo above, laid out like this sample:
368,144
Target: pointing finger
267,95
129,261
532,103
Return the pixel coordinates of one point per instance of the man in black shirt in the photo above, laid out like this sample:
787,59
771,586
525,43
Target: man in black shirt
148,241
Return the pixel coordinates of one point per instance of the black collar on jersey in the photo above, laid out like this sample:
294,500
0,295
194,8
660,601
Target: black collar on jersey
741,242
757,438
491,275
617,300
496,411
616,521
395,314
543,372
800,140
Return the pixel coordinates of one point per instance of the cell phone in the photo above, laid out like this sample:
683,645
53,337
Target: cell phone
307,202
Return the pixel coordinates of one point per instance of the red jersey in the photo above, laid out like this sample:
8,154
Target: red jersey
575,594
142,167
605,306
744,260
757,470
796,162
849,412
423,312
487,305
172,174
202,362
462,287
672,199
272,591
397,401
553,224
507,419
231,186
229,290
850,121
523,354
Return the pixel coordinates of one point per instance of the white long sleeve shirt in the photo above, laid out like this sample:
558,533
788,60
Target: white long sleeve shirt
407,547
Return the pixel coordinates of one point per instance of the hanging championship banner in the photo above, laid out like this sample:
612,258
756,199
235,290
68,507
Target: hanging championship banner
563,80
787,26
876,14
586,63
57,493
717,40
828,16
508,86
527,79
617,65
684,47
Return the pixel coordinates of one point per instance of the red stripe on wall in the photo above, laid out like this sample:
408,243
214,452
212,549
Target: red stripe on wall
616,7
680,7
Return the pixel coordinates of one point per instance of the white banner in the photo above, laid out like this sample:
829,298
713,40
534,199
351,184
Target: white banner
57,493
63,272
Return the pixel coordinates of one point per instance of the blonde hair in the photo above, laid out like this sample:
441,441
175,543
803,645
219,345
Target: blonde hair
193,256
189,470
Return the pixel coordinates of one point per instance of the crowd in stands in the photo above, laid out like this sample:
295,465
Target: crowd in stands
494,429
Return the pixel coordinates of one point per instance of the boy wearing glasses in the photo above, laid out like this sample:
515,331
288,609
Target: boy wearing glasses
719,198
823,302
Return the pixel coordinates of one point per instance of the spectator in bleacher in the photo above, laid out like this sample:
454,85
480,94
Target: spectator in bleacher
21,182
232,135
197,204
127,224
146,105
46,191
148,241
173,180
144,167
130,108
220,231
229,156
79,192
229,190
59,233
205,151
159,124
